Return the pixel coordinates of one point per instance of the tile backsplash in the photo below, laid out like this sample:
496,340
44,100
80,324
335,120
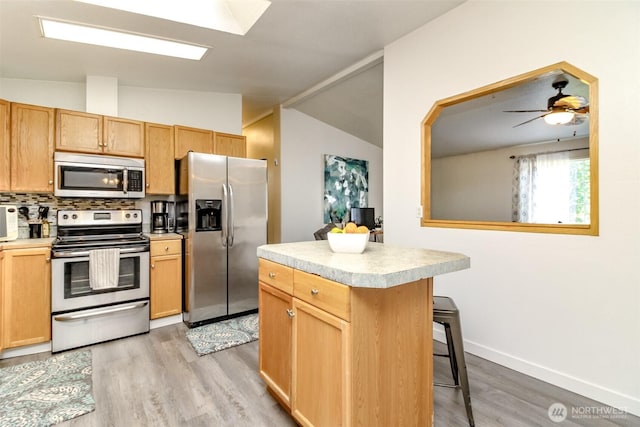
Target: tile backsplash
33,201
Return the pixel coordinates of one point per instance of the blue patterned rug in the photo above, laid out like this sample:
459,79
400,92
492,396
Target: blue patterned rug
222,335
46,392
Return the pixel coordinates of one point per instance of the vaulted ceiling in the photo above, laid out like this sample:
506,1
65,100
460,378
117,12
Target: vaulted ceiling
297,45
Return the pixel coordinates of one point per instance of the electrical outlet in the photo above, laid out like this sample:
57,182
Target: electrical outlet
419,212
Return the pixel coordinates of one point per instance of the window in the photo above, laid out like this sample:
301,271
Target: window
552,188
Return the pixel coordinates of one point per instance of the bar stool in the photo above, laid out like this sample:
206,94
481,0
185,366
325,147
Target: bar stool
446,313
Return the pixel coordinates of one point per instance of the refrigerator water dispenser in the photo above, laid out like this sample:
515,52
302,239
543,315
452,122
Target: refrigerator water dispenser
208,215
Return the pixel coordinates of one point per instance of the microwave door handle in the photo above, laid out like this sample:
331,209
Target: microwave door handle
125,180
225,219
230,217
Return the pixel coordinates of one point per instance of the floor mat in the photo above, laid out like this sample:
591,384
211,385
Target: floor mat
222,335
46,392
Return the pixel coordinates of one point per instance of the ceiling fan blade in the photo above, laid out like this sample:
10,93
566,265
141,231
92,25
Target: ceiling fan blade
529,121
524,111
571,101
583,110
577,119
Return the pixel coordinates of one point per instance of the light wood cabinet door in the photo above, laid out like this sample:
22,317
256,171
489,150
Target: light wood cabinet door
192,139
26,296
276,313
320,375
5,150
230,145
32,134
78,132
165,280
159,159
123,137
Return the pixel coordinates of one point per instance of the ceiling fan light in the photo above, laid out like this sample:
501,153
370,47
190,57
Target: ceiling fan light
559,117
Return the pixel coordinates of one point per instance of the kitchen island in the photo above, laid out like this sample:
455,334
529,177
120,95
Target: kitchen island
346,339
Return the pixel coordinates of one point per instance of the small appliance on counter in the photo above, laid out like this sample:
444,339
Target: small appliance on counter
162,216
8,223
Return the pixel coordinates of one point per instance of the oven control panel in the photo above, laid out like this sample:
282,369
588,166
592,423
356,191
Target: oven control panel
99,217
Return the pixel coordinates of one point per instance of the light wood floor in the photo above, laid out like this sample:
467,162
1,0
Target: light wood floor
157,379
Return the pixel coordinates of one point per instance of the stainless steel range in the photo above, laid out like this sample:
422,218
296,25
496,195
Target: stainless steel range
99,276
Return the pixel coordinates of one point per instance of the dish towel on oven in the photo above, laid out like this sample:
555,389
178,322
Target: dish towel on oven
104,268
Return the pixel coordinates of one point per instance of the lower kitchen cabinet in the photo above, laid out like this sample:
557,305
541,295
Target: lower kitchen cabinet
275,311
26,296
165,279
336,355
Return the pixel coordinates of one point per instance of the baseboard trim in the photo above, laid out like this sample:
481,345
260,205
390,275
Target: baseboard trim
26,350
596,392
165,321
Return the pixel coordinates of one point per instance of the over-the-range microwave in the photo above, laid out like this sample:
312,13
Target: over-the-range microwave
97,176
8,223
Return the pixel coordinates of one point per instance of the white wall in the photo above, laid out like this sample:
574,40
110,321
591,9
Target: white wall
304,142
207,110
563,308
478,186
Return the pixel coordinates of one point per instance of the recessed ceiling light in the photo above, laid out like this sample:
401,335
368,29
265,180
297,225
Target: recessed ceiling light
231,16
81,33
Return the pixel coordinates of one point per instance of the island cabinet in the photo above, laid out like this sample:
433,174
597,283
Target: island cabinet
165,278
5,147
93,133
32,134
159,159
25,296
336,355
227,144
193,139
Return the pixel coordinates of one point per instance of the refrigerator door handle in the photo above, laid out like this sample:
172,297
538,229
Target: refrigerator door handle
225,215
231,208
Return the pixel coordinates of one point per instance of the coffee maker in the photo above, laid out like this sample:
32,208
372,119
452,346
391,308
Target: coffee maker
161,216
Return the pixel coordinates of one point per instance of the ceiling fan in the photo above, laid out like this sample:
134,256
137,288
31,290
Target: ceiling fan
561,109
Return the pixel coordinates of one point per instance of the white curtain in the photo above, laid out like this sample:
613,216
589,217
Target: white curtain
554,188
545,189
524,182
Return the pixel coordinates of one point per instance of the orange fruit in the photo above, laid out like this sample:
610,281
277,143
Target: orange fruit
362,229
351,227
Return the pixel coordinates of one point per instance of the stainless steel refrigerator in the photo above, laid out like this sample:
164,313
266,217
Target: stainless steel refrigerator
221,209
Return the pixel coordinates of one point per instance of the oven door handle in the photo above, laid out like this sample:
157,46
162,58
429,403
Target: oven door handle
70,317
86,253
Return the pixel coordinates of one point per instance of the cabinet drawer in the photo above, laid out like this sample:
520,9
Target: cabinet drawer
277,275
166,247
325,294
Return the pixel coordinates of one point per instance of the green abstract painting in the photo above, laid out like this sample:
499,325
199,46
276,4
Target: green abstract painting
346,186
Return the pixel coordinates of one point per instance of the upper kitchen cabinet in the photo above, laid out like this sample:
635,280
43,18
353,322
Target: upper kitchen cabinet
159,159
227,144
192,139
32,130
5,151
92,133
76,131
123,137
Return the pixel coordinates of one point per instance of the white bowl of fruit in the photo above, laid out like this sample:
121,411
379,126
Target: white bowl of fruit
348,240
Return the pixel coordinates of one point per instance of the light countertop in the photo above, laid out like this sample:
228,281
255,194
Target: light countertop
379,266
26,243
163,236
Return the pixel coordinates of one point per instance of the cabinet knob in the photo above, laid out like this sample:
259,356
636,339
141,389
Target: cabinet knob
272,274
153,266
50,182
290,313
166,248
47,259
147,185
314,291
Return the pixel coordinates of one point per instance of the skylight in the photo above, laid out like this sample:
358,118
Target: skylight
231,16
80,33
